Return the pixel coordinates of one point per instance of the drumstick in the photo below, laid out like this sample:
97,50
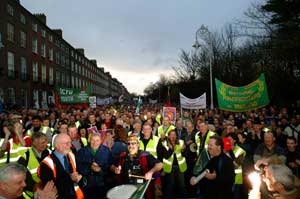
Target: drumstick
137,176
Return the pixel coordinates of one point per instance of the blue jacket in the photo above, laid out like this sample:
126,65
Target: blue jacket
84,160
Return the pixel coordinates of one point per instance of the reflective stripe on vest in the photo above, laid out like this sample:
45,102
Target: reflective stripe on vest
49,162
237,151
15,152
32,165
198,142
168,163
151,146
161,130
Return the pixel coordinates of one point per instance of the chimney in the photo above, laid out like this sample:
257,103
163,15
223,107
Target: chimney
94,61
42,17
59,32
80,50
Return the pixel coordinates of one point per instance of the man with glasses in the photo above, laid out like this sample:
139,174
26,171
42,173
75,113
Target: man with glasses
60,167
137,166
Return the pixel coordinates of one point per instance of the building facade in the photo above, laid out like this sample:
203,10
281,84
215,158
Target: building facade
35,60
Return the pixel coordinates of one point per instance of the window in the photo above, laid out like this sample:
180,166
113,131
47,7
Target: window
63,78
34,27
10,32
51,54
34,46
35,71
72,81
11,96
51,76
50,38
23,68
43,50
23,97
57,58
10,10
72,66
23,39
11,64
57,77
44,73
22,19
43,33
35,97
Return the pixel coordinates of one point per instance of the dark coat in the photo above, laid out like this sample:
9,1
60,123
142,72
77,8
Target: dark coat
63,181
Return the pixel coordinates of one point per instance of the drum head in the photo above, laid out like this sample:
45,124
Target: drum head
121,192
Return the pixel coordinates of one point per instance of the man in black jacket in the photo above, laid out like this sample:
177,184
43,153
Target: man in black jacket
219,177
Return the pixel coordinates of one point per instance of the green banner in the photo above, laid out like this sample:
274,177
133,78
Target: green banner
74,95
238,99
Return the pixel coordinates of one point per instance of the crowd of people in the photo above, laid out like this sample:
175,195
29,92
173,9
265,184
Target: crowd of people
207,154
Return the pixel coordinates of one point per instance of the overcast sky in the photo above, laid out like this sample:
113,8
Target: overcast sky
136,40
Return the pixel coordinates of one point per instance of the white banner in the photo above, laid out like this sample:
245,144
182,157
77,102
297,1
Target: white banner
197,103
151,101
92,101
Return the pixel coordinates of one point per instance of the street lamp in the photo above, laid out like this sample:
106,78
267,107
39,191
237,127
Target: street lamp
204,34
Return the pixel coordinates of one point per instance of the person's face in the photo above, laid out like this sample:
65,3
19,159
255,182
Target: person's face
95,142
137,127
147,131
45,122
63,128
291,145
179,124
103,127
36,123
213,149
82,132
189,126
172,136
132,147
73,132
92,118
166,121
63,145
203,128
231,140
40,144
269,139
14,187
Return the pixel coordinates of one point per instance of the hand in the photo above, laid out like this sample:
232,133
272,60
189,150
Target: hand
118,169
18,128
211,176
189,142
75,176
6,131
148,175
49,191
293,164
95,167
193,181
261,162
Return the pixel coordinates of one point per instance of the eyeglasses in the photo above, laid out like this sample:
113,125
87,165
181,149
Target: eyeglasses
131,143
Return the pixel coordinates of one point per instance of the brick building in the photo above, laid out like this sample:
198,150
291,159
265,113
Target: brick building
35,59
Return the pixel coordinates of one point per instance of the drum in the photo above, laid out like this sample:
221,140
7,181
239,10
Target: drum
121,192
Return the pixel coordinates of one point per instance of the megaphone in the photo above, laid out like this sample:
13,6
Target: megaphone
193,147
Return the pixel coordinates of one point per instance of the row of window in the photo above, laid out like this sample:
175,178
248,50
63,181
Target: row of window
61,77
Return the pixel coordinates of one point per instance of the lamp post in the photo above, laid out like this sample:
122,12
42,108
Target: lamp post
204,34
